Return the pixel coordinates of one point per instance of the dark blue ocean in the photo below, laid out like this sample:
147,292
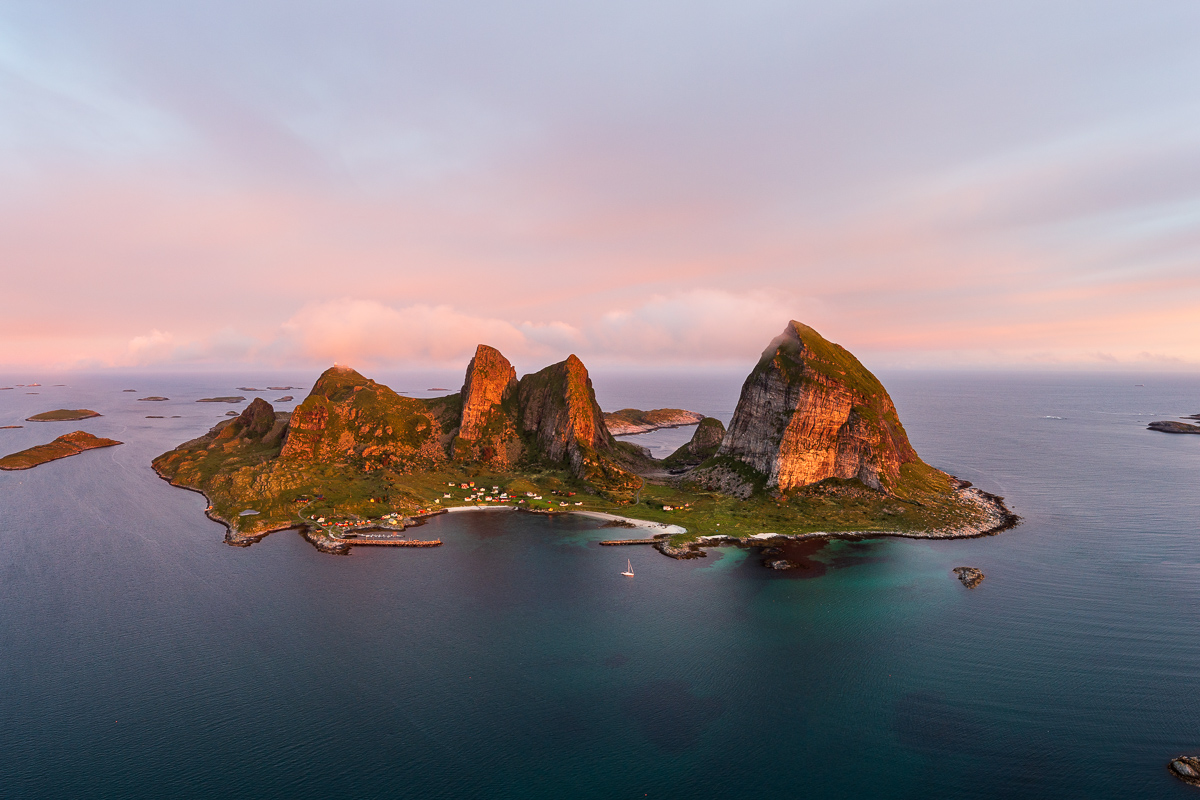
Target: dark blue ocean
142,657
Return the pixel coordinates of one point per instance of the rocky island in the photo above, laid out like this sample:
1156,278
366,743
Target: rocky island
63,415
1170,426
69,444
814,449
629,421
969,576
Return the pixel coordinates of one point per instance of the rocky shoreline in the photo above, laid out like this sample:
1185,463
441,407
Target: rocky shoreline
997,518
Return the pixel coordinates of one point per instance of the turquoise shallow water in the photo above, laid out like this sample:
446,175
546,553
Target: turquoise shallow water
143,657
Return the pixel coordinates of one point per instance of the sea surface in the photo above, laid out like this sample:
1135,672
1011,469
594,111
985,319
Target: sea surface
140,656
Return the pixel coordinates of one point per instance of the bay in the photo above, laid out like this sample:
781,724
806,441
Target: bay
142,657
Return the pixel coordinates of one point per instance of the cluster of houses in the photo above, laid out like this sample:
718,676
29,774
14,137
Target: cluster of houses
481,494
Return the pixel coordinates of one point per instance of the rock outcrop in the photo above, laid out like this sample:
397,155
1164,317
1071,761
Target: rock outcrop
705,443
487,427
810,411
256,420
1186,768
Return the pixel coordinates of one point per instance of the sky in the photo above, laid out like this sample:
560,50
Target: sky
933,185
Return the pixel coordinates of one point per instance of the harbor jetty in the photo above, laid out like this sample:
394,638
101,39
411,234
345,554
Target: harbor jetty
357,539
619,542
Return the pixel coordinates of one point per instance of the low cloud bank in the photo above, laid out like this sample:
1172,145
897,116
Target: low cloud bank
701,326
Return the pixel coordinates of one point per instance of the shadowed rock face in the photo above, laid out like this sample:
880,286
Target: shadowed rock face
558,407
708,436
704,444
256,420
810,411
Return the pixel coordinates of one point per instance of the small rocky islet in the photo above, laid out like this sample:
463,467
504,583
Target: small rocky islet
970,576
63,415
69,444
1171,426
814,449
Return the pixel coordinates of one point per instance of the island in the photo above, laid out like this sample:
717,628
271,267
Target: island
629,421
287,398
69,444
814,449
1170,426
152,399
63,415
969,576
220,399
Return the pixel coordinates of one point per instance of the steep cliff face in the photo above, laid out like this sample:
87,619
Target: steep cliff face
487,428
347,418
558,408
809,411
490,380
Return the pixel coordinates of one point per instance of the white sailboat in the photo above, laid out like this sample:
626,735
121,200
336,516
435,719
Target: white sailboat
629,569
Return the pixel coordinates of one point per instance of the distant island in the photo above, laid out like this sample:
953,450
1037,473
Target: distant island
1170,426
814,449
63,415
631,420
221,399
69,444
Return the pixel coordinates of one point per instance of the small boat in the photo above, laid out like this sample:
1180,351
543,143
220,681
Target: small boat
628,569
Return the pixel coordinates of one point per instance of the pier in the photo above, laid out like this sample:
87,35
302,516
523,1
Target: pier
388,541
